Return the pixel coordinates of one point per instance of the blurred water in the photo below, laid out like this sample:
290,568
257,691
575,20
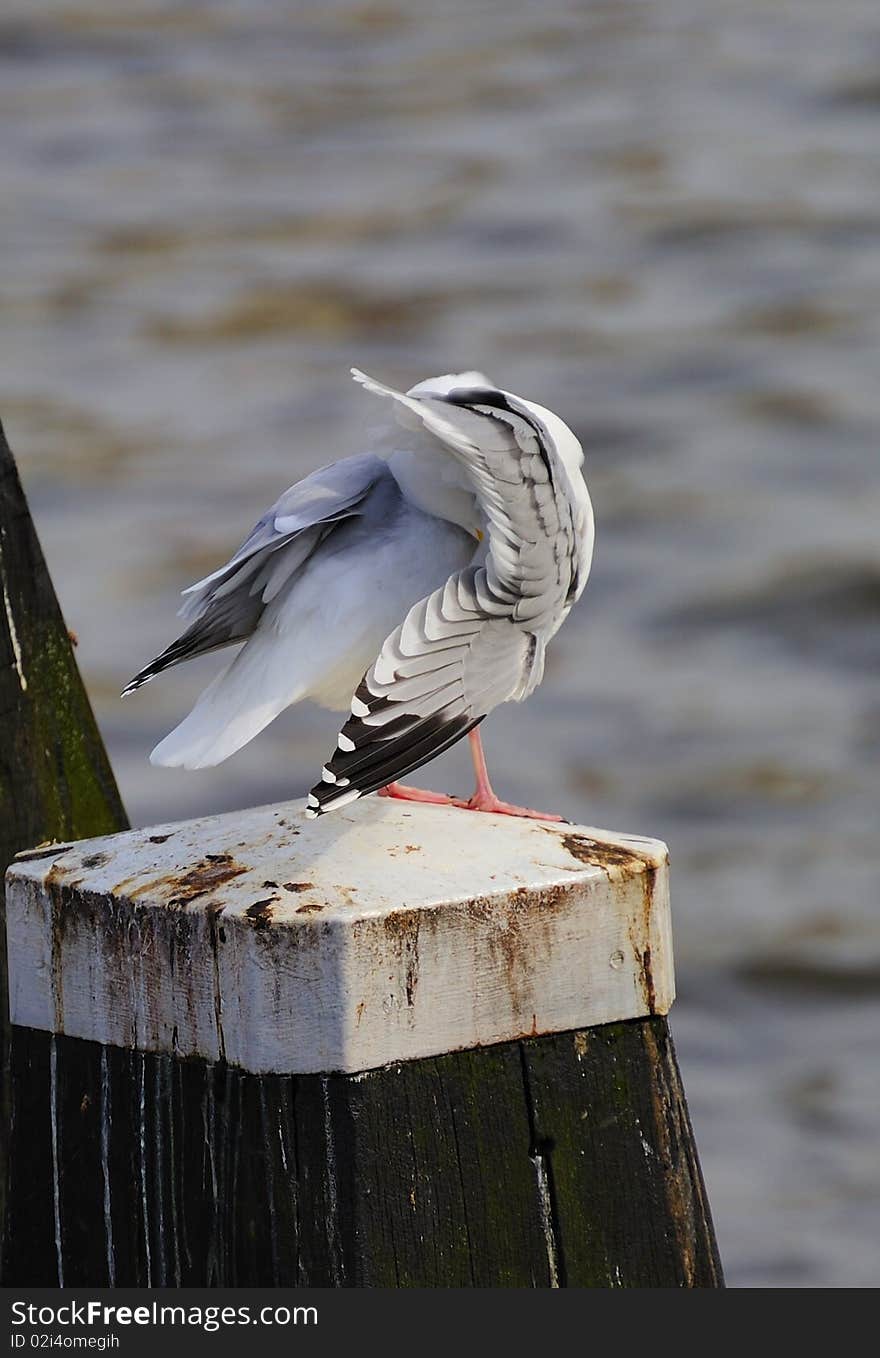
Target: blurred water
661,220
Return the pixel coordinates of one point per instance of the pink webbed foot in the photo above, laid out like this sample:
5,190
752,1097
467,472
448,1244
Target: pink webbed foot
484,798
402,793
495,806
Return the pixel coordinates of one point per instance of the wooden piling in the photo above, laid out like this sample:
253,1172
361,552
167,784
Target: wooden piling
55,778
398,1046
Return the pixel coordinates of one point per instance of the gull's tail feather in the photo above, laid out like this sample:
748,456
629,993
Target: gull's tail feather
242,700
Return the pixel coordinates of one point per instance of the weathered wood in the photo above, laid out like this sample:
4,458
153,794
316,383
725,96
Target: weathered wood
55,778
610,1122
406,1068
389,931
565,1160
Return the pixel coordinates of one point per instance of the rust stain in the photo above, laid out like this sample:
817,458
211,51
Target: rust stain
309,908
260,913
649,881
543,898
640,933
270,886
121,890
507,940
159,839
621,861
599,854
297,886
402,927
214,871
412,848
520,928
84,1105
648,979
359,1013
512,941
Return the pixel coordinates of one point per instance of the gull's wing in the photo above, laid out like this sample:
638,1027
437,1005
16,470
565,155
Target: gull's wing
455,657
479,641
524,466
226,606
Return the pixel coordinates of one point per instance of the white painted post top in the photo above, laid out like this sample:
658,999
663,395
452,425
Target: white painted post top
385,932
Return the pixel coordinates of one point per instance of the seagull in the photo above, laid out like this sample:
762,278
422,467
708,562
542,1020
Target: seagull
414,587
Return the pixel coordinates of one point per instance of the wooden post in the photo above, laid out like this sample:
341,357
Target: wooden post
398,1046
55,778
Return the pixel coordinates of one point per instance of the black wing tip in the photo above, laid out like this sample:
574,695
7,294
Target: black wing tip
184,648
384,765
139,680
326,796
486,396
171,656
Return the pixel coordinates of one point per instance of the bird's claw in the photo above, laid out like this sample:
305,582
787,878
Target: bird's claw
495,806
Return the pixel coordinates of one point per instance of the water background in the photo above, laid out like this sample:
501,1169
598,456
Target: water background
660,219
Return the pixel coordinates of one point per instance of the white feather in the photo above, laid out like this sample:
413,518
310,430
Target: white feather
437,570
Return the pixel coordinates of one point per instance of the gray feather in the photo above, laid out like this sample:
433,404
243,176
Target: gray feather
226,606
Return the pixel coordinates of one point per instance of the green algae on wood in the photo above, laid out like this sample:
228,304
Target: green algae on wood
55,778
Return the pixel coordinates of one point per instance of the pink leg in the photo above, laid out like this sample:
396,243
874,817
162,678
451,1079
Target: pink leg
484,798
402,793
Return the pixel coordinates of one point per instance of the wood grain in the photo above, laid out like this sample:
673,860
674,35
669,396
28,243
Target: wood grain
562,1161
